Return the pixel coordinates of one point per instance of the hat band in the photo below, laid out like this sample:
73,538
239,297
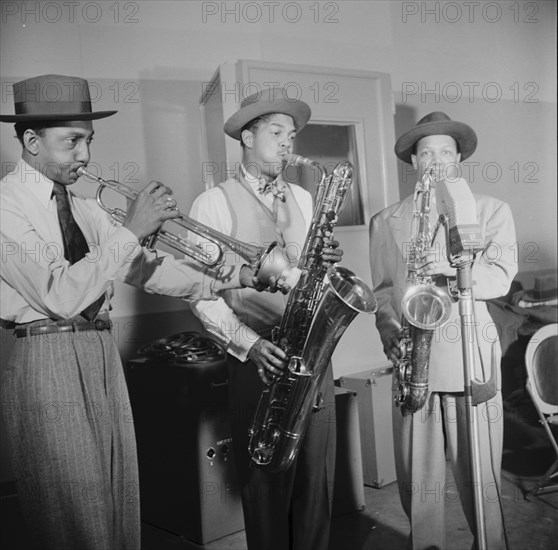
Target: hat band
544,294
52,107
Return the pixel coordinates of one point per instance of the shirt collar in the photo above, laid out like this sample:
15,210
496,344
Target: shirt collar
256,184
251,180
36,182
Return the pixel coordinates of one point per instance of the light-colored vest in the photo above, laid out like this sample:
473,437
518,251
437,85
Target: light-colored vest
255,224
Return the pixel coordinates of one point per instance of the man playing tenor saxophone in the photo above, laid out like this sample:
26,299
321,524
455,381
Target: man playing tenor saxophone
423,439
292,509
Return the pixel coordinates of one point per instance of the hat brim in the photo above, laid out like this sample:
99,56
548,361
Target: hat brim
64,117
529,296
294,108
461,132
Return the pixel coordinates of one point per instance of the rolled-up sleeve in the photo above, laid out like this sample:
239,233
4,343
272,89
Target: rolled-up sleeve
159,273
211,209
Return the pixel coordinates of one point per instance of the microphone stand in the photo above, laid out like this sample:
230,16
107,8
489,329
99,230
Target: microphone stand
475,391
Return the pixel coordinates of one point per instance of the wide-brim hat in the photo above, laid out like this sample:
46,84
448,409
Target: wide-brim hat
545,288
264,102
435,124
53,97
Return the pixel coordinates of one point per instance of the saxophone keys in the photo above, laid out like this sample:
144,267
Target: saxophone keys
319,403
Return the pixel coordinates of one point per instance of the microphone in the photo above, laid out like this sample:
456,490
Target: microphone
455,200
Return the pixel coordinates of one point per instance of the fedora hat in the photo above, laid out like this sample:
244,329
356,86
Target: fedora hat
52,97
435,124
545,288
264,102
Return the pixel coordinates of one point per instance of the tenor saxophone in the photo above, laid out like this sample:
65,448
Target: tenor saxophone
318,312
424,307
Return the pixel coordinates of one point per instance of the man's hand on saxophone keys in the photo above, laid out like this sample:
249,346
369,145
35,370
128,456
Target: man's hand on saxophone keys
434,263
268,358
331,253
391,339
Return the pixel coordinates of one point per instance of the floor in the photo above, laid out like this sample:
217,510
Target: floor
531,524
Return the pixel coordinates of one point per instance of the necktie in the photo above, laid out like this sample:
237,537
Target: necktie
274,187
75,245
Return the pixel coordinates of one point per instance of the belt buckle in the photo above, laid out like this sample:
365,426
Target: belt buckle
101,324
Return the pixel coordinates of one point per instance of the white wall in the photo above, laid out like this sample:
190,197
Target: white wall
493,68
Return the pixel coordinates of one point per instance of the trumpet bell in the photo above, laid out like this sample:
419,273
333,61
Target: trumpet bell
273,262
426,306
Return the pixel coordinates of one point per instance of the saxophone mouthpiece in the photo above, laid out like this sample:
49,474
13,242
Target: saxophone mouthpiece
429,172
435,173
298,159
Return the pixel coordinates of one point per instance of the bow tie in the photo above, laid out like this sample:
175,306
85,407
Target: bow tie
274,187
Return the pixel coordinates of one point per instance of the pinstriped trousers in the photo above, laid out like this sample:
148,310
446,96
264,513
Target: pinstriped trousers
70,426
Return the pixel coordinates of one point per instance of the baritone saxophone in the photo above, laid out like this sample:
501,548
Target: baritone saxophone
318,312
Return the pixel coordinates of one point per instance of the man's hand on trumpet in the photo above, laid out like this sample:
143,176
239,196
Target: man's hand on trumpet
330,255
150,209
249,280
154,205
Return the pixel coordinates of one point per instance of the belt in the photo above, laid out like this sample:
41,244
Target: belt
69,326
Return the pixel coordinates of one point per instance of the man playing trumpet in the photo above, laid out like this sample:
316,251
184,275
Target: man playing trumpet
77,474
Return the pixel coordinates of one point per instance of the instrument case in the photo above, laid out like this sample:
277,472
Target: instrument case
374,396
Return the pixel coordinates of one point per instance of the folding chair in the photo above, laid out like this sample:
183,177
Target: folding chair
541,361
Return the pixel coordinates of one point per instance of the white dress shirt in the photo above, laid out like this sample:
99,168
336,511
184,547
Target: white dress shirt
211,209
37,282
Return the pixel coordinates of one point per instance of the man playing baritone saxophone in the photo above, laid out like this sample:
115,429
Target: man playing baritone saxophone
425,438
291,509
64,397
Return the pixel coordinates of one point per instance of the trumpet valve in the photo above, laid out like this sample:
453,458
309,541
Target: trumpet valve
149,241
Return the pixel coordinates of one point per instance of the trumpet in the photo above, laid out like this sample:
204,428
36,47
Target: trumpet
266,261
